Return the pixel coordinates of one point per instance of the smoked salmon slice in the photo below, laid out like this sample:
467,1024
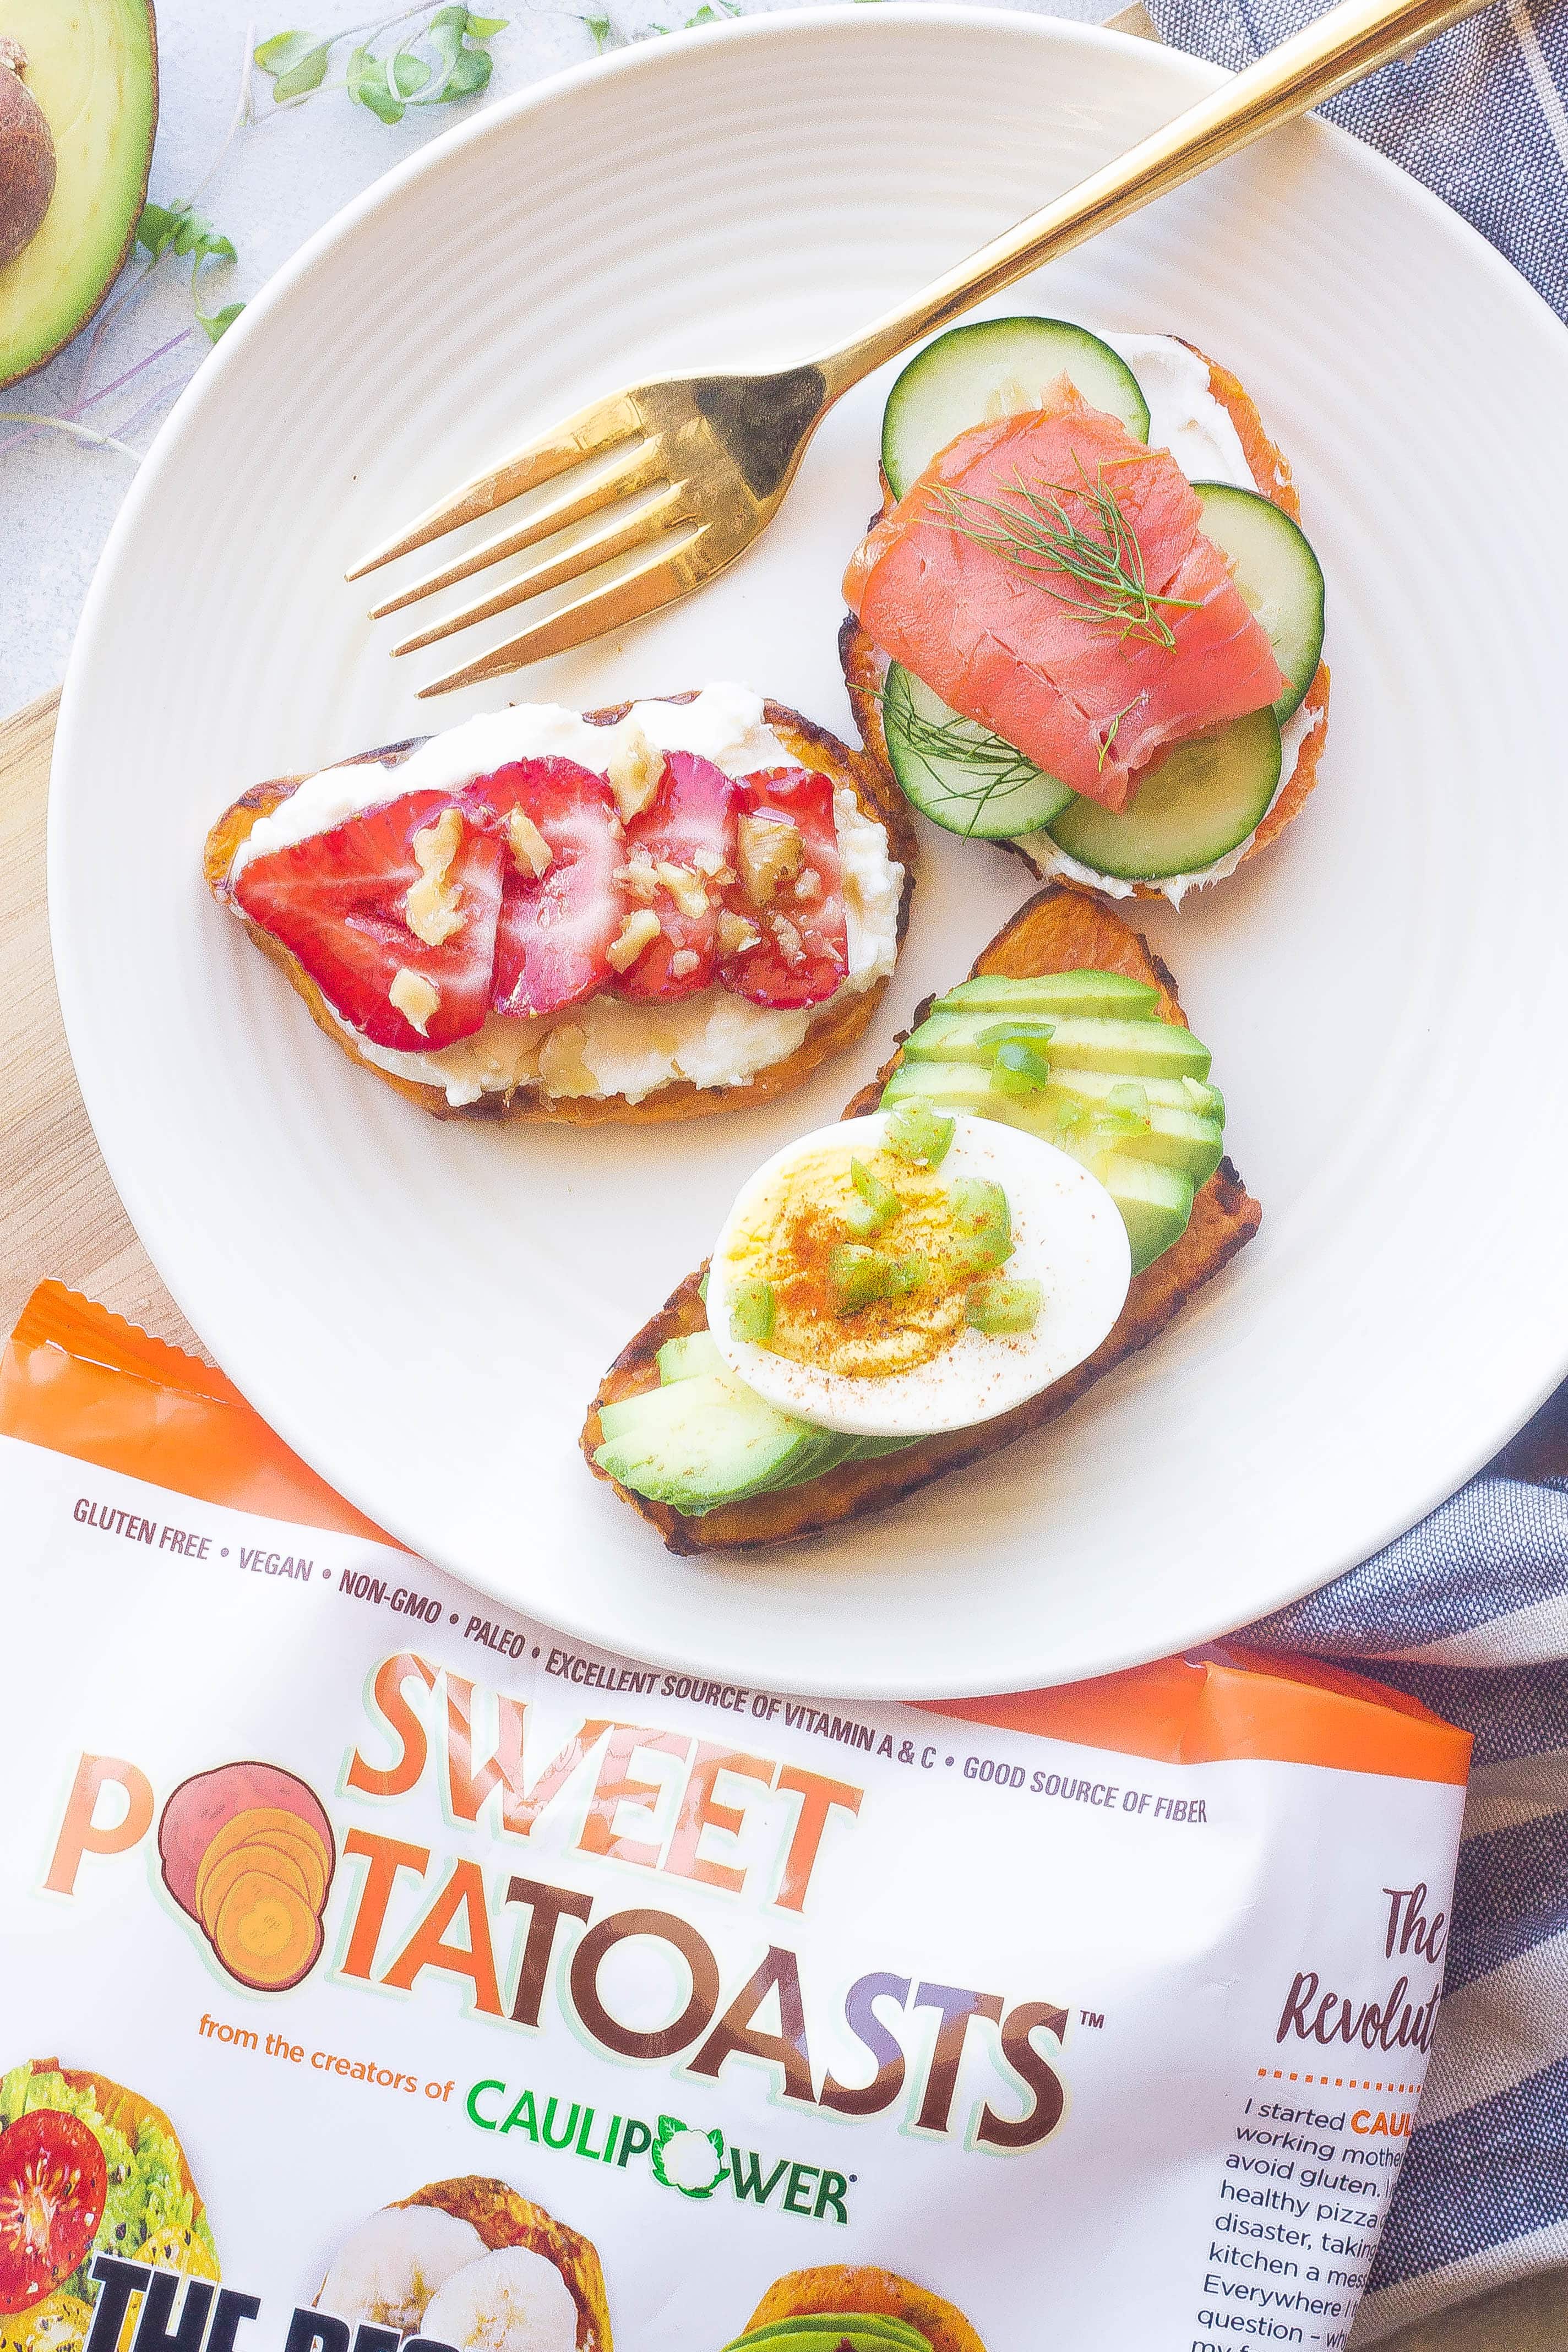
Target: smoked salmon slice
1047,575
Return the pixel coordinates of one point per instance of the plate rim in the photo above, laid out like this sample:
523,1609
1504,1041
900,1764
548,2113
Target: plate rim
1121,1649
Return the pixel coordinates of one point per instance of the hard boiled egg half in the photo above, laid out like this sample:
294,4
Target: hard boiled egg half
903,1274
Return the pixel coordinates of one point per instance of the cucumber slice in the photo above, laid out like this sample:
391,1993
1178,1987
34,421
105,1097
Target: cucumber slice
1203,798
1278,574
945,388
1048,995
958,774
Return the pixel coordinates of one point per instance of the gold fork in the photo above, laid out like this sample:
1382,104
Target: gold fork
718,452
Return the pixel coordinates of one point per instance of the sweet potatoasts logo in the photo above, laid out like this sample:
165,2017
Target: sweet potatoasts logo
249,1854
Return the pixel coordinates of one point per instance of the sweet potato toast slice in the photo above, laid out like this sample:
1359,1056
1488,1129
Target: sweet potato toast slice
1063,928
811,746
504,2218
865,665
845,2287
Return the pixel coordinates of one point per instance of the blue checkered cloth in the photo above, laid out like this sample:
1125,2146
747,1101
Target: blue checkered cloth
1469,1612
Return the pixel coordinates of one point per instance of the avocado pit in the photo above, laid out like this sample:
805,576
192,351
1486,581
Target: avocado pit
26,155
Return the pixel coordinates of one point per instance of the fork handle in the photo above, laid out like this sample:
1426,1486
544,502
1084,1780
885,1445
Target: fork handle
1353,40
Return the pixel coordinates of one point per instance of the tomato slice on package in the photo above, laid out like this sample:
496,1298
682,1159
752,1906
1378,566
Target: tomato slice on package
683,839
52,2184
803,954
339,901
554,937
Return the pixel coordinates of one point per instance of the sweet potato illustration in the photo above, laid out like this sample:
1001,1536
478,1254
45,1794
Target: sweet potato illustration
203,1806
248,1852
265,1934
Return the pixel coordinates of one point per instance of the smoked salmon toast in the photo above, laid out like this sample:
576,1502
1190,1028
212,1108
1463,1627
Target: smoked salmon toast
651,911
1086,623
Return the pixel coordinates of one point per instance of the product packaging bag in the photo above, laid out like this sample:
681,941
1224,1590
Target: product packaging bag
376,1966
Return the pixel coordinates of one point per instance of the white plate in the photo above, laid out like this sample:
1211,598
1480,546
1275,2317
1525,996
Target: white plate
424,1309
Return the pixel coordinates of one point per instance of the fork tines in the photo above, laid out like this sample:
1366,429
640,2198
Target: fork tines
592,432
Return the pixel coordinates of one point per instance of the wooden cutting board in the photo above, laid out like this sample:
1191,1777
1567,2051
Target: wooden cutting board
60,1213
61,1216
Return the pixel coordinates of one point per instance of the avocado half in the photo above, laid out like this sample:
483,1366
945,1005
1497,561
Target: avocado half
93,67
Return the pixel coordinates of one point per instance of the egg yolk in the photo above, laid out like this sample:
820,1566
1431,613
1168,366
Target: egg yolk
811,1240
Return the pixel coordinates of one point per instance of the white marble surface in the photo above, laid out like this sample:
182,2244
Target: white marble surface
279,180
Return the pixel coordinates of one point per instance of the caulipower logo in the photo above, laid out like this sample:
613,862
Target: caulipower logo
693,2162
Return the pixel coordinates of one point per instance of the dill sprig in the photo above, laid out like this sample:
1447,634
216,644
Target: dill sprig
998,768
1040,532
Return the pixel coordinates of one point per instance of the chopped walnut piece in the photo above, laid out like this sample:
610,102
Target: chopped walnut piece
529,849
561,1069
736,935
790,943
683,963
708,862
770,853
432,903
808,885
684,887
639,931
414,997
635,769
638,877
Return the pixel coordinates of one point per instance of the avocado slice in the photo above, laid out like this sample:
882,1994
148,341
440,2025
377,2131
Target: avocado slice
93,71
1133,1049
1178,1136
825,2331
1087,992
708,1439
1155,1203
682,1358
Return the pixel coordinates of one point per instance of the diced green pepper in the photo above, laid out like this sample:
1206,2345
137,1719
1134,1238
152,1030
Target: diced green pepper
999,1305
907,1273
917,1133
753,1311
982,1223
879,1198
1017,1069
1008,1033
856,1276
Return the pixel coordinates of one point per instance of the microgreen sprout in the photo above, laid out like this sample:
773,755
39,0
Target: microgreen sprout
439,56
189,235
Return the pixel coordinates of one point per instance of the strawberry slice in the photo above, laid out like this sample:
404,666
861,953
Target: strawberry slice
557,925
339,901
790,893
687,830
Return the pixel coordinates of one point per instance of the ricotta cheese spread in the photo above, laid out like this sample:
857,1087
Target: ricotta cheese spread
604,1047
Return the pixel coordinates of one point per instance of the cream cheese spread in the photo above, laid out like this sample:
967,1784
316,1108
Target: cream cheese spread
604,1047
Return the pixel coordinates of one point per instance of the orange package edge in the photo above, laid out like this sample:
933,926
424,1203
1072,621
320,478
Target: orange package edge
82,1381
